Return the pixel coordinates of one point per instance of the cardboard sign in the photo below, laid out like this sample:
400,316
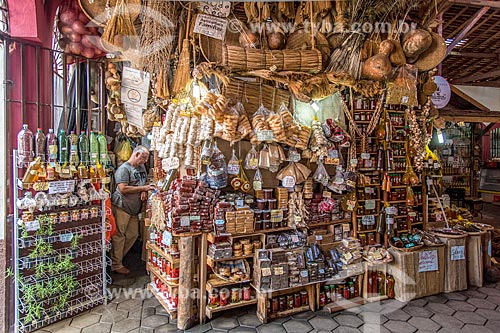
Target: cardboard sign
216,8
427,261
65,186
458,252
210,26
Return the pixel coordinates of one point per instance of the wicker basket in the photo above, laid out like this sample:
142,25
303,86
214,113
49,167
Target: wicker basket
211,48
241,59
410,249
301,39
240,263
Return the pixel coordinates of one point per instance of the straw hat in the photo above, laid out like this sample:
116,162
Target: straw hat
96,9
433,56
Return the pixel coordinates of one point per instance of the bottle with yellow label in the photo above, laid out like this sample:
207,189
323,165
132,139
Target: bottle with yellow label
50,172
83,172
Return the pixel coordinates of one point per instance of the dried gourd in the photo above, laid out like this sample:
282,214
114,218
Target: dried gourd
379,66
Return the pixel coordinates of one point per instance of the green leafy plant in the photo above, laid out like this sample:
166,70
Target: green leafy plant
74,240
42,249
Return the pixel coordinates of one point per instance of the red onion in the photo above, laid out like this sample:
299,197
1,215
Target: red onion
64,29
75,48
68,17
75,37
63,42
88,52
88,41
83,18
79,27
93,30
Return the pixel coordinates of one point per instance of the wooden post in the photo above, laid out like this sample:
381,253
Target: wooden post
203,277
185,308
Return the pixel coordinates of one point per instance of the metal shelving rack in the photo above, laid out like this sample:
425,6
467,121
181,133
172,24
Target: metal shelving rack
89,258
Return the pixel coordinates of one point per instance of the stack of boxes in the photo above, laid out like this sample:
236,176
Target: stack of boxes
240,221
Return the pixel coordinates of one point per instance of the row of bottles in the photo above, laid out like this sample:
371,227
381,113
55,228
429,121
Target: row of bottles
62,148
379,283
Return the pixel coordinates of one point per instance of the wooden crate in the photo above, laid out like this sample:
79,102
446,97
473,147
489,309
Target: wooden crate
475,265
486,247
369,267
410,282
455,262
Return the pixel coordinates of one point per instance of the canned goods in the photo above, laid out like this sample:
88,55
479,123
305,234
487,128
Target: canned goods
289,302
75,215
223,297
63,217
235,295
247,294
84,213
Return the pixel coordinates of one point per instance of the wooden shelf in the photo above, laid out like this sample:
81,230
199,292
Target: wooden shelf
400,216
416,223
344,304
359,215
369,199
210,311
211,237
366,231
456,175
162,253
211,262
171,312
363,110
216,282
161,276
376,298
288,313
397,141
328,223
269,291
396,201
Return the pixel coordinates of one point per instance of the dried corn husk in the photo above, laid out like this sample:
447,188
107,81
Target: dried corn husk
120,30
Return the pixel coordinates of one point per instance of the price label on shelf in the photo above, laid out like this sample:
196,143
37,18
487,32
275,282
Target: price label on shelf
319,237
365,156
32,225
368,220
67,237
185,221
370,204
265,135
288,181
65,186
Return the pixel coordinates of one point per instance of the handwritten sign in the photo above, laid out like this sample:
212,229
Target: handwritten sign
210,26
458,252
368,219
216,8
288,181
265,135
65,186
32,225
370,204
170,163
427,261
134,114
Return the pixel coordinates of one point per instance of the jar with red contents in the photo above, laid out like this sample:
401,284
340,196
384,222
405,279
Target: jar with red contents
223,297
322,298
297,301
304,298
247,293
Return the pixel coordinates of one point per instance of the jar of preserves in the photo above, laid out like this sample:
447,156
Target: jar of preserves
223,297
304,298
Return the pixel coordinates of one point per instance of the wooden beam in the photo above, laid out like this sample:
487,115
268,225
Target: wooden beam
477,77
473,54
469,99
471,116
493,4
484,84
185,307
486,129
472,21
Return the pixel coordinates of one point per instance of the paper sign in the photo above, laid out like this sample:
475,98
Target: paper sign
170,163
391,210
319,237
370,204
288,181
32,225
368,220
135,79
265,135
365,156
427,261
266,271
167,238
216,8
210,26
66,186
134,114
458,252
185,221
67,237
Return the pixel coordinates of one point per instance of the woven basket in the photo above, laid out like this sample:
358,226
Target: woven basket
96,10
211,48
301,40
241,59
253,94
411,249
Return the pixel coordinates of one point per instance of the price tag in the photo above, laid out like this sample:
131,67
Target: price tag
294,156
185,221
167,238
370,204
368,220
266,271
458,252
297,218
319,237
391,210
219,222
233,167
67,237
369,190
216,8
253,163
365,156
327,194
278,270
304,273
257,185
265,135
331,161
170,163
288,181
32,225
194,218
412,214
66,186
354,162
240,202
346,227
333,153
295,238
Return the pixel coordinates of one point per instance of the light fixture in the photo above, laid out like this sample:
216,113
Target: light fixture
440,136
314,105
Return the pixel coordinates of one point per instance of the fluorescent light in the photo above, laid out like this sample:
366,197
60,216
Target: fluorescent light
314,105
440,136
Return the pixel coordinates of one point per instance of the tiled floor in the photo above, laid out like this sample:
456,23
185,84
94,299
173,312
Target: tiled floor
475,310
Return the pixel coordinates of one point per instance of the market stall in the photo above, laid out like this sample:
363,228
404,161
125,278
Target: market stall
293,168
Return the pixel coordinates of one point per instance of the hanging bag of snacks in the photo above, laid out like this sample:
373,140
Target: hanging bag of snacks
217,170
403,88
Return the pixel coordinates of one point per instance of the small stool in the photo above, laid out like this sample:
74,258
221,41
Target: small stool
473,202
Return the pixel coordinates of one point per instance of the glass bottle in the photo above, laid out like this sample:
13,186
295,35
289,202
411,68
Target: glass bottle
63,148
24,146
94,148
40,144
73,149
389,283
83,147
381,283
51,149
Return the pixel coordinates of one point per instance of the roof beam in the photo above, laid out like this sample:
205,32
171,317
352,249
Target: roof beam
471,116
473,20
473,54
493,4
477,77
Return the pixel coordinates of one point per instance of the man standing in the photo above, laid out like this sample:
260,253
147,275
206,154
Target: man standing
131,191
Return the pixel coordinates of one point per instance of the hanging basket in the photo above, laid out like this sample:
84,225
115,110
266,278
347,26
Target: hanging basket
96,10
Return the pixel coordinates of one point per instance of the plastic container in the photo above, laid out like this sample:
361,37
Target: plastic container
40,144
25,149
73,149
94,148
83,148
63,147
